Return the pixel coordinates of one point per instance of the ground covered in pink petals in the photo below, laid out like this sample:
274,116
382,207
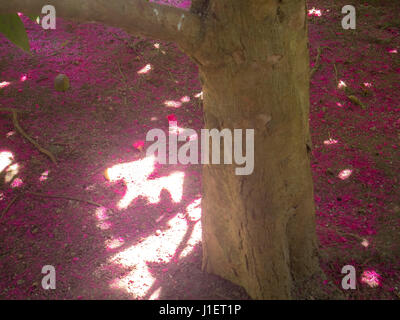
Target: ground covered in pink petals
115,225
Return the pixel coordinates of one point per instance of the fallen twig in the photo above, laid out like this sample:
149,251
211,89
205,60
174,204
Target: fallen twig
316,65
344,234
25,135
122,75
336,73
9,206
356,101
43,195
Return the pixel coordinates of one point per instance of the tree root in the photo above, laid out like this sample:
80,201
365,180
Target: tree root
25,135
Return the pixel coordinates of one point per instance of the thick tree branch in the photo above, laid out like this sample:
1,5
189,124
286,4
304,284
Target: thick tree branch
138,17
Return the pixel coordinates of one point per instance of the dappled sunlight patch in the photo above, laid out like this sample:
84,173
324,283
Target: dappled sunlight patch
145,69
114,243
102,216
314,12
4,84
194,239
156,294
158,47
155,249
342,84
199,95
365,243
104,225
330,141
138,145
10,133
185,99
136,174
193,211
173,104
16,183
371,278
345,174
174,129
44,176
6,158
11,170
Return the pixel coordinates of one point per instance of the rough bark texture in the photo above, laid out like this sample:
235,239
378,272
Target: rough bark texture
258,230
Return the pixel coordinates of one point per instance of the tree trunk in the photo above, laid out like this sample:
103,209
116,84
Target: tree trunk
259,229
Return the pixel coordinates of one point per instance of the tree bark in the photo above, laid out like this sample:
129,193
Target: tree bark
258,230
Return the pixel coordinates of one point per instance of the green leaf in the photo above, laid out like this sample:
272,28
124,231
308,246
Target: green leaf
13,28
34,18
